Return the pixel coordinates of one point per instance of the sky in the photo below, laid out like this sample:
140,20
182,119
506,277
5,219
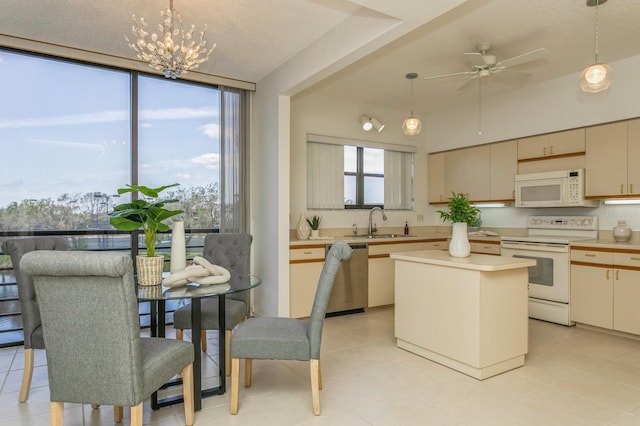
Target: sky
64,128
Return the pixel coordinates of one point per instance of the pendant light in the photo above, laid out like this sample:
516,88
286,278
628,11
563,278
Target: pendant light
411,125
597,77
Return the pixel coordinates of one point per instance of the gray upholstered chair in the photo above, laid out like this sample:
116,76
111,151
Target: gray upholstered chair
287,338
31,325
231,251
95,354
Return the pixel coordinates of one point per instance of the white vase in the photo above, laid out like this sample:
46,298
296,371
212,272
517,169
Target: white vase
315,233
303,229
622,232
459,245
178,248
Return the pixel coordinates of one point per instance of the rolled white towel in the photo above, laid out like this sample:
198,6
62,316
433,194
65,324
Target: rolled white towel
190,273
213,269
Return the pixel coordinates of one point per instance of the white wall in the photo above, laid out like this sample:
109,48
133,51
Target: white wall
341,118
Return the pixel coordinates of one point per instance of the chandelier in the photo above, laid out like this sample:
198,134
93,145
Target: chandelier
599,76
173,50
411,125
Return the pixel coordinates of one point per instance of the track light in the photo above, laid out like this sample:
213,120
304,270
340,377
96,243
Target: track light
369,123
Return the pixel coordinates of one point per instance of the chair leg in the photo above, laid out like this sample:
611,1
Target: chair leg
57,413
248,365
27,375
235,379
117,413
315,390
136,415
227,352
95,406
187,394
203,340
319,375
179,334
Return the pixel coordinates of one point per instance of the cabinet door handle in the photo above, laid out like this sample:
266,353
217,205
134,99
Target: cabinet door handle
590,255
622,188
617,275
607,274
544,151
306,252
634,258
631,188
551,150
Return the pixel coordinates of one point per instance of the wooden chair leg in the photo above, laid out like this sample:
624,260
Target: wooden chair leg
319,375
117,413
203,340
248,364
235,380
315,390
95,406
227,352
179,335
187,394
27,375
57,413
136,415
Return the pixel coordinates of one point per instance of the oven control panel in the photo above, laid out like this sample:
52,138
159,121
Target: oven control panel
586,223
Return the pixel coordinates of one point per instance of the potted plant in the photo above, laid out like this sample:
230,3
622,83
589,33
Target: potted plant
146,213
461,213
314,223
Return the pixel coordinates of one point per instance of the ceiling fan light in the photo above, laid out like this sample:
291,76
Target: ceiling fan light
411,126
596,78
366,122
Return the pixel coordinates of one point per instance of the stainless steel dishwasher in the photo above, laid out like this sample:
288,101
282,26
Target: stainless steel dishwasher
350,289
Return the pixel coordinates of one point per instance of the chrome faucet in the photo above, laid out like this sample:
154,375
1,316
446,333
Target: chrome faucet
372,227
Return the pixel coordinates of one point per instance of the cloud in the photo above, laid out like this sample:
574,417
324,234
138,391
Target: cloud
69,144
209,160
177,113
211,130
183,176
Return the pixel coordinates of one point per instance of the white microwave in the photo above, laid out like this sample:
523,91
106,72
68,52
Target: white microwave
563,188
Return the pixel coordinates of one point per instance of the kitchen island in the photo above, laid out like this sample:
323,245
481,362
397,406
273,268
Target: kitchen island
469,313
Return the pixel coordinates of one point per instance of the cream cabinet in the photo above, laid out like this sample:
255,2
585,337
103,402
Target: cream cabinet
485,246
455,172
436,178
605,288
606,161
504,167
382,269
550,145
305,266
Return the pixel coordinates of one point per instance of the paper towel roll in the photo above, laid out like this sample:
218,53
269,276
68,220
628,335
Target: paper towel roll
178,248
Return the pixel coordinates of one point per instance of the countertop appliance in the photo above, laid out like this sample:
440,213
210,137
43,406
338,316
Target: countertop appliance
562,188
547,243
350,288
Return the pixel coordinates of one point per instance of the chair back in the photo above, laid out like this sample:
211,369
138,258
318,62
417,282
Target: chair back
91,326
233,252
338,252
16,248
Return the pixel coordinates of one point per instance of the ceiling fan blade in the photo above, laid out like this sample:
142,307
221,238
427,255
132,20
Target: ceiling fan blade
476,59
467,83
509,73
534,55
449,75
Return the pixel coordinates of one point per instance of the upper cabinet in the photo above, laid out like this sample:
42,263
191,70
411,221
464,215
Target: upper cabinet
484,173
612,152
569,142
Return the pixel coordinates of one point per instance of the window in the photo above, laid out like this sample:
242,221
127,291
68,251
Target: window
70,139
349,174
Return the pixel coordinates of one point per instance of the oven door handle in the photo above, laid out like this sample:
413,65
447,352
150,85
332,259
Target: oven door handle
536,247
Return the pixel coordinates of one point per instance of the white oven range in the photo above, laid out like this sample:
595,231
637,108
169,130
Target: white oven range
547,243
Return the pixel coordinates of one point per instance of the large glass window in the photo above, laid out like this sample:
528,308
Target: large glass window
69,142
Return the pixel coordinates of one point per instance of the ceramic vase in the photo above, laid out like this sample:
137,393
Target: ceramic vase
303,229
459,245
178,248
315,233
622,232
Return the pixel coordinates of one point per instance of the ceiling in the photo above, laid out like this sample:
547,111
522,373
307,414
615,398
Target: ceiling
255,37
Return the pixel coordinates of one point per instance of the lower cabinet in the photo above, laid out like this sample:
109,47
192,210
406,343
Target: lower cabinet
382,269
605,289
305,266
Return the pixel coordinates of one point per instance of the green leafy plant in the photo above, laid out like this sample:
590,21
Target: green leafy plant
147,213
314,222
460,210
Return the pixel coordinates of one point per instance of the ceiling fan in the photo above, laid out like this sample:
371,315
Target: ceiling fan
485,65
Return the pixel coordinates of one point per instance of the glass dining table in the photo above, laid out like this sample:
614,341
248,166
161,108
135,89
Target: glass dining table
158,295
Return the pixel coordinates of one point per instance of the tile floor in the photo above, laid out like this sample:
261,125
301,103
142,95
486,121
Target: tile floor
572,376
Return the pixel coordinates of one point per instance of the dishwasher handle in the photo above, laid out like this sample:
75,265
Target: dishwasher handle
354,246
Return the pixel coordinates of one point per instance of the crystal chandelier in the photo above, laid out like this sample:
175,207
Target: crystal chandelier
174,51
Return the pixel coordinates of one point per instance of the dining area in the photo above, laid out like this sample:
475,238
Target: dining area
81,311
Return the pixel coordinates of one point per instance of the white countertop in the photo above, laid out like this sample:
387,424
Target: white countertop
609,243
477,262
396,240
